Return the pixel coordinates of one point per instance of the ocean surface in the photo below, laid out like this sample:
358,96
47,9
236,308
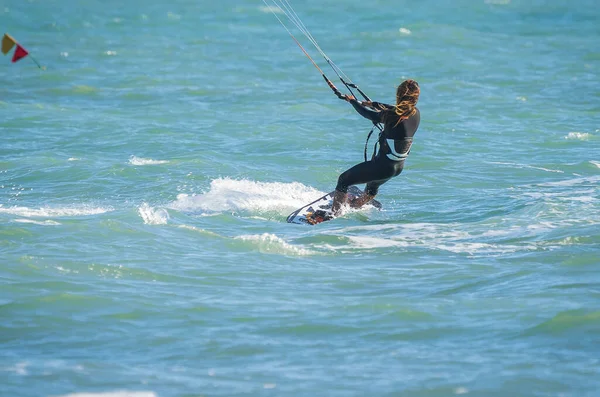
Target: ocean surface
146,174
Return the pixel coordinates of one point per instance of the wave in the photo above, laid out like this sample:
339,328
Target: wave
134,160
270,243
579,136
517,165
586,180
452,238
153,216
569,321
227,194
53,212
41,223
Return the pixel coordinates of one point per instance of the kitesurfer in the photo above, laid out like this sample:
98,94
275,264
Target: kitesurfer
400,123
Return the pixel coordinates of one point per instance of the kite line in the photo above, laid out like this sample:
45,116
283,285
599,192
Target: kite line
284,7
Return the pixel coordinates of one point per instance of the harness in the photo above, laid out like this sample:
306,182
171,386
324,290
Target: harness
391,143
367,142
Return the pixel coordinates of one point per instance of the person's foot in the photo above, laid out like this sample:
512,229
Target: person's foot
361,200
339,199
317,217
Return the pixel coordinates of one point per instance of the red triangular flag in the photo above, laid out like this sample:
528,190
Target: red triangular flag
20,53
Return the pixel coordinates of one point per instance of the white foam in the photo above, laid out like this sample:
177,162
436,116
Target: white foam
50,212
444,237
580,136
596,163
134,160
152,216
199,230
574,181
365,242
270,243
42,223
581,199
517,165
238,195
482,248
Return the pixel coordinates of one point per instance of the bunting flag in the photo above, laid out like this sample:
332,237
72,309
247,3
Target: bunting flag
20,52
8,42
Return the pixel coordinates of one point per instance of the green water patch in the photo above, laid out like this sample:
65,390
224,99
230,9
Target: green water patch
83,90
570,322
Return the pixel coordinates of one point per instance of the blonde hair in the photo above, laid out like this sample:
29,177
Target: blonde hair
407,96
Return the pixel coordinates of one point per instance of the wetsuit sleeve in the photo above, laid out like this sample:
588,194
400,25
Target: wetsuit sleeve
382,106
366,113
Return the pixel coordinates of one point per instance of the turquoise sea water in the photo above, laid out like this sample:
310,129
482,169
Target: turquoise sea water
146,174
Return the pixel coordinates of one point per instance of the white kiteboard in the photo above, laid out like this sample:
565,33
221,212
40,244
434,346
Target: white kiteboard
320,210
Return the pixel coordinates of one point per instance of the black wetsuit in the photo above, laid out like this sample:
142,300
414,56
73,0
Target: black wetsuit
389,161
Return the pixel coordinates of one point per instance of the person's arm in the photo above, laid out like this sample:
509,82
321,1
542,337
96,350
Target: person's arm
363,111
378,105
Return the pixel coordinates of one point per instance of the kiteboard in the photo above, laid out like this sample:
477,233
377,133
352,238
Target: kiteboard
320,210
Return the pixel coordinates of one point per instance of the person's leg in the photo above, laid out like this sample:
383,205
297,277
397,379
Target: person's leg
339,199
360,173
381,171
